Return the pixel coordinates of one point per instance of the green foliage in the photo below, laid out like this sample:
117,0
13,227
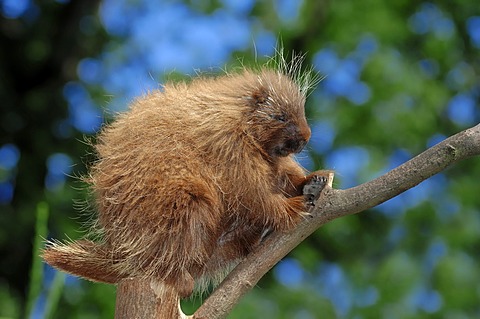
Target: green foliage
36,272
54,294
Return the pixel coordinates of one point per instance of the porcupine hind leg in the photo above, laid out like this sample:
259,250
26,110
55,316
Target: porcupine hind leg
185,237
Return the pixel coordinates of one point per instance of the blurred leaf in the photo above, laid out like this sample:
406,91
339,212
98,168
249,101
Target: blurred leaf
36,272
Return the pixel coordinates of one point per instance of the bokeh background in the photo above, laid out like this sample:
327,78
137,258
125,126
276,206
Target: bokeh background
400,76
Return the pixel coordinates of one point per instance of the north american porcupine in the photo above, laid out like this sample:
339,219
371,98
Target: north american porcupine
190,178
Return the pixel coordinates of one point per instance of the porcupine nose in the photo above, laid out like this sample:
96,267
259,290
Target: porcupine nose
300,137
294,141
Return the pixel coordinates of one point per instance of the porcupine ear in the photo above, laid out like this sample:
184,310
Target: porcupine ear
259,97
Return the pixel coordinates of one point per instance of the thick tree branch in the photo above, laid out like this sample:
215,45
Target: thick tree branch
333,204
145,299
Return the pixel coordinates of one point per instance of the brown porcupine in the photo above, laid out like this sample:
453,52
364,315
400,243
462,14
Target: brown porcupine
190,178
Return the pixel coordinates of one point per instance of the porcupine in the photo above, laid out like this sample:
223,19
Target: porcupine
191,177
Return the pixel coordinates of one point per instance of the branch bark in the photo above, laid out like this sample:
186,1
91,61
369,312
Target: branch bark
333,204
145,299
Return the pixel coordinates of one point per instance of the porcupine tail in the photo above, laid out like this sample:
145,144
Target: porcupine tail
83,258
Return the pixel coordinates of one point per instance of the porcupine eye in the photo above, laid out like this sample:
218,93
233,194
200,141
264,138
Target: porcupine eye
279,117
262,101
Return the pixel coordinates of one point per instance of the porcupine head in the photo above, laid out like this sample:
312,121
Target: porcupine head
191,177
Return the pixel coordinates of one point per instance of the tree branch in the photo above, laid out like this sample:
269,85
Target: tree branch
333,204
146,299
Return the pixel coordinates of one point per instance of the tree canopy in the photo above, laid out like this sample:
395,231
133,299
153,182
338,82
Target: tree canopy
399,76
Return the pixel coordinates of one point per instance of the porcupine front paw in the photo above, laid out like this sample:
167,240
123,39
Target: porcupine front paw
313,188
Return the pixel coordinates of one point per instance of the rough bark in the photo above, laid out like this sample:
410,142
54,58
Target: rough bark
144,299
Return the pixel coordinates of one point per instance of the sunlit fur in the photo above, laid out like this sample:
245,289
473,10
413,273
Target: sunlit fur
189,179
